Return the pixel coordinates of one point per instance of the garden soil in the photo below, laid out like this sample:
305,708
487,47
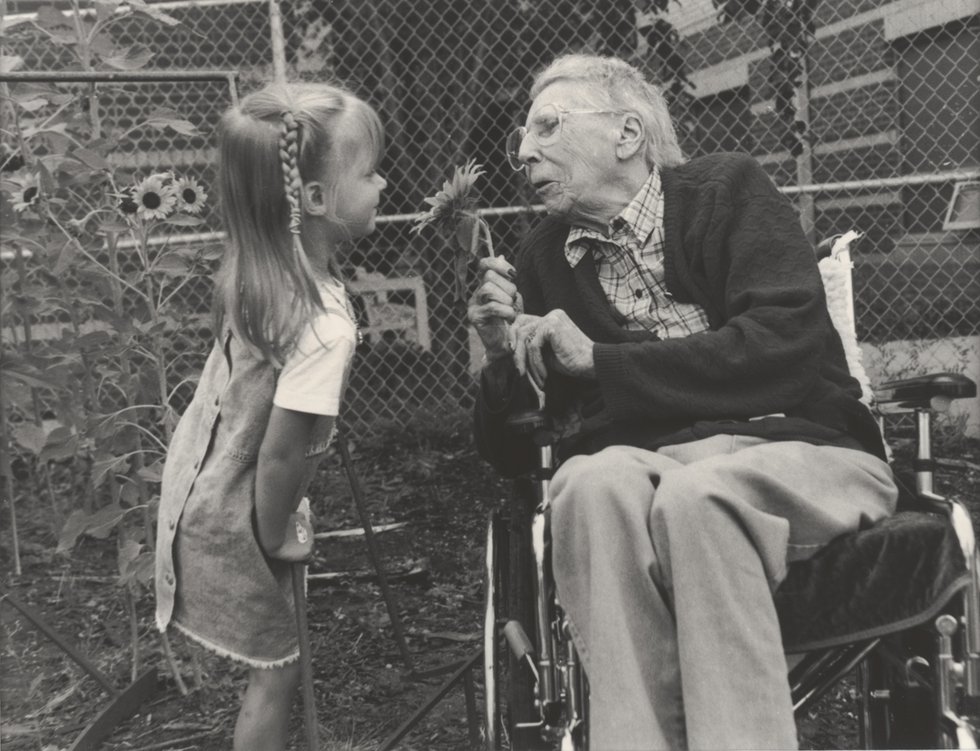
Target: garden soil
433,483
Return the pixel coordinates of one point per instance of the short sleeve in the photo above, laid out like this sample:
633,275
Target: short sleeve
313,378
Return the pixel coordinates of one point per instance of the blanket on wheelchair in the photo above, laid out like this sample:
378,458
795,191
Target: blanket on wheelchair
898,573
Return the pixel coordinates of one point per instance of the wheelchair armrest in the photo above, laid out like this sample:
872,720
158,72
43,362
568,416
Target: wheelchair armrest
921,391
534,423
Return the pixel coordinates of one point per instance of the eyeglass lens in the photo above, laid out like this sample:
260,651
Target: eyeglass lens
513,147
544,126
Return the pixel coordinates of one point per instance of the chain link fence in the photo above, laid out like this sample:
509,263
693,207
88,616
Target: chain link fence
863,112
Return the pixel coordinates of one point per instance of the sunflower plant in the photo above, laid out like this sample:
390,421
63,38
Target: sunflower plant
95,345
453,214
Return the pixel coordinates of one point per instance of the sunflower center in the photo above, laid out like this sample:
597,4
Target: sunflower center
30,194
152,200
189,195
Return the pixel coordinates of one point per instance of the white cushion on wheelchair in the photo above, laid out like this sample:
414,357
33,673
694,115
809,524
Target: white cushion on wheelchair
896,574
837,287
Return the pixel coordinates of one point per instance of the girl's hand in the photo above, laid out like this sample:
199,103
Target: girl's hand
297,544
494,305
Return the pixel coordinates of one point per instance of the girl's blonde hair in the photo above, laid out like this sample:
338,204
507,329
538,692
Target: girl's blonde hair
615,84
273,142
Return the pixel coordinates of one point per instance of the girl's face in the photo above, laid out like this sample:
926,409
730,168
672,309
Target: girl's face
358,194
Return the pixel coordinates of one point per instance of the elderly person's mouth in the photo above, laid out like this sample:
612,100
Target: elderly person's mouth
543,186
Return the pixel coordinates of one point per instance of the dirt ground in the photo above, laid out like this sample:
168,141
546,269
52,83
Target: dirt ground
430,480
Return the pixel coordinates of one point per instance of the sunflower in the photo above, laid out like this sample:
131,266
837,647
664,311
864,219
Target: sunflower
454,203
26,191
190,195
154,198
453,212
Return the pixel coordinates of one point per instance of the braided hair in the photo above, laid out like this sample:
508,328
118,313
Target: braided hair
289,156
270,145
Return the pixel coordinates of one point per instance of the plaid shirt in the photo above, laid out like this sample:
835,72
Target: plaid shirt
629,260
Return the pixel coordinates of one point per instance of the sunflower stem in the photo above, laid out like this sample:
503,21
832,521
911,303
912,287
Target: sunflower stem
474,236
486,236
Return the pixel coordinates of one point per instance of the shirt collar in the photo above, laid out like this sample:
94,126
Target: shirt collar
641,216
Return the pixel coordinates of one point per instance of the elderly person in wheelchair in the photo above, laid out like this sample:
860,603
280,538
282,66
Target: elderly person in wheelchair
670,316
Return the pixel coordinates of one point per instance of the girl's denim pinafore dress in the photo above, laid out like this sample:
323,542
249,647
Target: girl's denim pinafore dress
213,581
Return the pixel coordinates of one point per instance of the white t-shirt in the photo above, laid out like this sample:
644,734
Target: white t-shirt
315,374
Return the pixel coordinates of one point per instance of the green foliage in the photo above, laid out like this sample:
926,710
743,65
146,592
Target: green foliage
90,290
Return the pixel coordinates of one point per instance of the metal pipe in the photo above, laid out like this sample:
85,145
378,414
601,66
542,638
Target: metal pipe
834,187
80,659
545,457
573,681
416,717
846,659
499,211
116,76
923,430
278,42
490,644
883,182
971,619
546,662
298,576
14,19
372,547
946,680
812,664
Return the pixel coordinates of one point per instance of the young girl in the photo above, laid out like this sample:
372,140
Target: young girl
298,177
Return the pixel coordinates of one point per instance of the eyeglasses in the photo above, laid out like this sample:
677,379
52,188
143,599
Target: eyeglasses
546,127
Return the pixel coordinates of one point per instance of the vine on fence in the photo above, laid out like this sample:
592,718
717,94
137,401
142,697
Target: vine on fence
92,331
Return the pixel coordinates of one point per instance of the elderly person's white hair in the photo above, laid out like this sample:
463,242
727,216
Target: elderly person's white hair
615,84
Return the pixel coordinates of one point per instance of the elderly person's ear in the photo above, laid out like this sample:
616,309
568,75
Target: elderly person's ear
631,137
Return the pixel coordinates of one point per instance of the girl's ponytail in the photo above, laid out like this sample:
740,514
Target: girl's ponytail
274,141
290,148
293,183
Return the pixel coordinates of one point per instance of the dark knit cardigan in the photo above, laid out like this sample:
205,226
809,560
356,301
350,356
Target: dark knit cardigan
734,246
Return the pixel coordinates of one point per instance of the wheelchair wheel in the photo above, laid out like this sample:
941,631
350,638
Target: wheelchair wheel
509,684
491,636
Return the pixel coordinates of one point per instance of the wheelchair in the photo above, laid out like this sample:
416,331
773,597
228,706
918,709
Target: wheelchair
897,602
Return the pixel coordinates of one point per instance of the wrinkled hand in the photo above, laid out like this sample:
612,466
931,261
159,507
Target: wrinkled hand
494,305
551,342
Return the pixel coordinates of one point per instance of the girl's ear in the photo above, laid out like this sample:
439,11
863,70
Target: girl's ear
314,198
630,139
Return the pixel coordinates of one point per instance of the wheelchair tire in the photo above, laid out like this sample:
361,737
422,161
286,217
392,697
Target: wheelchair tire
511,586
520,607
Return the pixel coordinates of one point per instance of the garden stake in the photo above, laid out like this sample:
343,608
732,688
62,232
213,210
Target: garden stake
298,572
358,493
462,674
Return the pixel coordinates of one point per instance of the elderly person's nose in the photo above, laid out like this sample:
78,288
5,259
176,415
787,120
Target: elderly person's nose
528,152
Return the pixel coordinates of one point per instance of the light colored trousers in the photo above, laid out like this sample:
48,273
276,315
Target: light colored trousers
665,564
